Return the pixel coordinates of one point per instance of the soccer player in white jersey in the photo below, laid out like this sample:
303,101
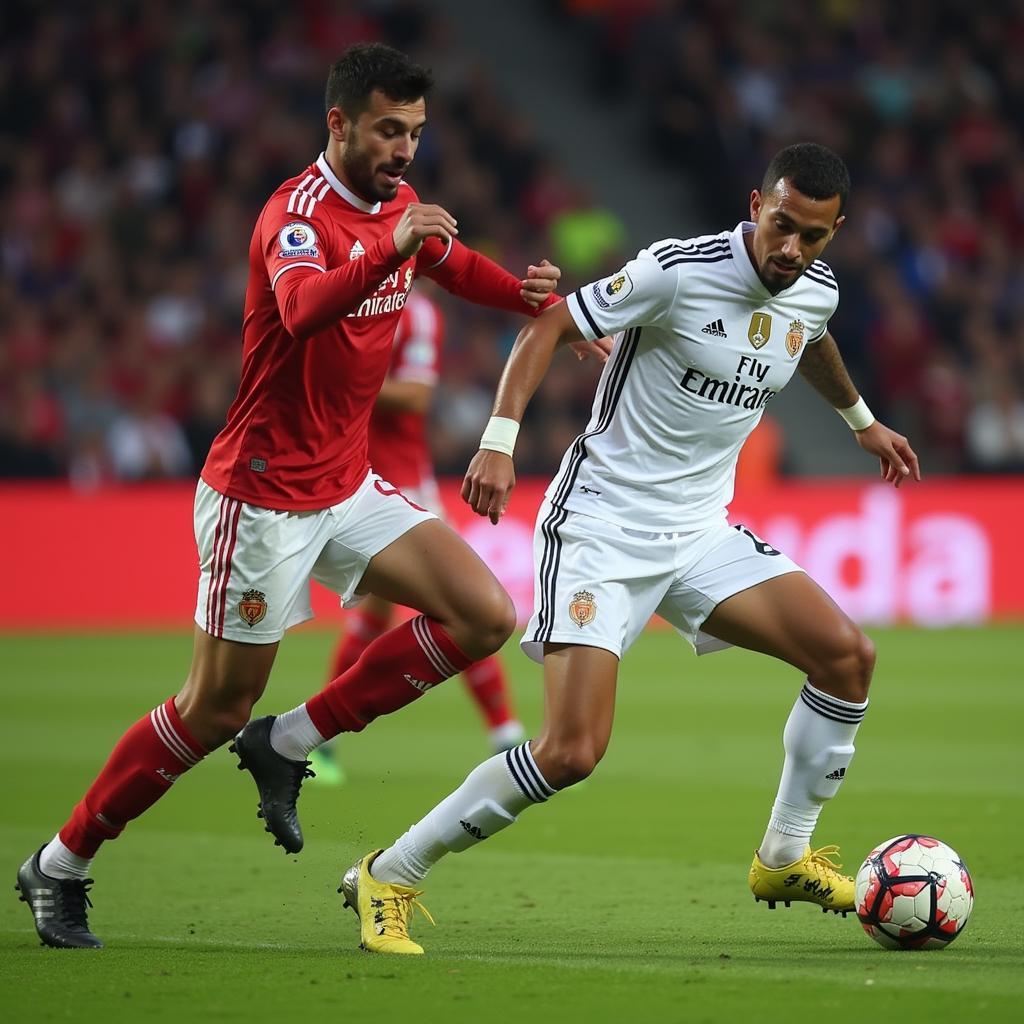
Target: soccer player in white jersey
708,330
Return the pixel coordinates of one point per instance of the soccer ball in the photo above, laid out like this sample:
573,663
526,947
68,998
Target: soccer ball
914,892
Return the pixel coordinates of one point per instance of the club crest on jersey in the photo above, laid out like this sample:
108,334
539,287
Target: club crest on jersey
297,239
582,608
253,607
760,329
795,337
615,289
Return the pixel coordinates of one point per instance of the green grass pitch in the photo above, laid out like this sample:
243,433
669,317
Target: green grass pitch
624,900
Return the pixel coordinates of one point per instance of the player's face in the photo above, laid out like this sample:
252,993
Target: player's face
792,230
380,145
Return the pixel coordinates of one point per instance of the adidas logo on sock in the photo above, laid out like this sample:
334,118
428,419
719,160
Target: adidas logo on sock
838,774
473,830
716,329
421,684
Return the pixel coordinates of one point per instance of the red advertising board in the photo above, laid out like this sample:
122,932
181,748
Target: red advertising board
934,553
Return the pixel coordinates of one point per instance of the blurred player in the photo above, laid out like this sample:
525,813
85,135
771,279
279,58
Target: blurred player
400,454
635,523
287,492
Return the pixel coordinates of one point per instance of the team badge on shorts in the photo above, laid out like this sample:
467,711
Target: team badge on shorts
253,607
582,608
795,337
760,329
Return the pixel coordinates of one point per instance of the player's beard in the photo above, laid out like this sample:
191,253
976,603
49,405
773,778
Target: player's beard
361,172
776,282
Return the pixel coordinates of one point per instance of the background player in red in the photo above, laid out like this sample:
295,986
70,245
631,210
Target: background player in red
399,452
287,492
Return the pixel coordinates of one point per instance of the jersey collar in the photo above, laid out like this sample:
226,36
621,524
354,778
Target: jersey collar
744,263
346,193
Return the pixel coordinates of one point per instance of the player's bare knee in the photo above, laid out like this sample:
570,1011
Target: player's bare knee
565,764
214,718
865,656
846,670
491,624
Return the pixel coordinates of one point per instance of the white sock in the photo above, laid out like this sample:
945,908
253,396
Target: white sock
293,734
57,861
489,800
819,747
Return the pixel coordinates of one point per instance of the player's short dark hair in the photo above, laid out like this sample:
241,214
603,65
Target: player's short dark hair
368,66
812,169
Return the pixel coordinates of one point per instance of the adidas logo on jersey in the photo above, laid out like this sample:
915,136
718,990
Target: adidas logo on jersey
356,251
715,329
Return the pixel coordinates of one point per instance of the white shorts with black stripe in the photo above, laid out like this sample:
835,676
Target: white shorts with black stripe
255,564
597,584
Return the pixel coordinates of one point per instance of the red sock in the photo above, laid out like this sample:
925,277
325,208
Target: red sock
486,683
393,671
147,760
361,630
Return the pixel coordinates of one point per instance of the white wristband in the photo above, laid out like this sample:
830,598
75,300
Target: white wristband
859,416
500,435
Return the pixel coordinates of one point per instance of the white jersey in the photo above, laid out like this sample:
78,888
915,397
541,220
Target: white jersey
703,347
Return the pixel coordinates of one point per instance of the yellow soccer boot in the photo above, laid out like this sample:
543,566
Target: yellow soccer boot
383,909
814,878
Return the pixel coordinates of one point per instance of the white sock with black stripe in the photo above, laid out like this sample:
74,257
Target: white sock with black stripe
489,800
818,739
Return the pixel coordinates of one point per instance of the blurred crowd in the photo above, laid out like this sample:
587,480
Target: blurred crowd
138,141
925,101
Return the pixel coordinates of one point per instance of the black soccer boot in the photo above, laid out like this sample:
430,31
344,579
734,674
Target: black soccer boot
278,780
58,906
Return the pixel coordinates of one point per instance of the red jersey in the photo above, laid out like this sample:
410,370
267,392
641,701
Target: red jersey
398,439
326,289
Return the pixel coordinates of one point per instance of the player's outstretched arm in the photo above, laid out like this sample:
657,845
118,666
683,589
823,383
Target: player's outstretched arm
822,367
491,475
541,281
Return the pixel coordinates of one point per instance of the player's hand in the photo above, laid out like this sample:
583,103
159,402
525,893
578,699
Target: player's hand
897,458
539,283
420,221
488,484
599,350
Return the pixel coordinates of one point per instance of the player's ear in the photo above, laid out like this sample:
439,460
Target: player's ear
840,221
337,124
755,205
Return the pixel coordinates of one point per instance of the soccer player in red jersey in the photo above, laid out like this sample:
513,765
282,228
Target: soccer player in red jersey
287,492
400,454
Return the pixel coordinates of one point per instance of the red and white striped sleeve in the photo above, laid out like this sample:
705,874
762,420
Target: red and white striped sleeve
290,238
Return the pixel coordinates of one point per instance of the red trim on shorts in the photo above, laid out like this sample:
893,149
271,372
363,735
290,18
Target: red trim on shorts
232,538
231,510
395,490
213,565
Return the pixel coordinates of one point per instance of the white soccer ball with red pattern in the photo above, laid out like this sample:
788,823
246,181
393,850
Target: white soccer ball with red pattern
914,892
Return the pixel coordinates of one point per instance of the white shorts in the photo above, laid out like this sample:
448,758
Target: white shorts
597,584
427,495
255,563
